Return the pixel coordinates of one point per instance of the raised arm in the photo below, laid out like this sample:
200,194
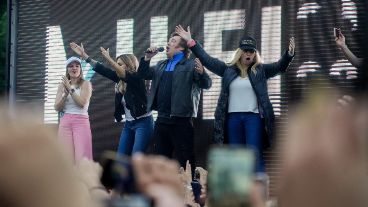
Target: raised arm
354,60
144,70
98,67
273,69
214,65
115,66
79,50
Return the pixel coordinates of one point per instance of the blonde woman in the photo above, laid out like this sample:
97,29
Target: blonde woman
244,113
130,99
72,99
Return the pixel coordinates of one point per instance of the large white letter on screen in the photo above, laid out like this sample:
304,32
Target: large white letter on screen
214,23
159,31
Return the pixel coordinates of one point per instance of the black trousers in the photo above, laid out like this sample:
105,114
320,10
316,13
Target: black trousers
177,137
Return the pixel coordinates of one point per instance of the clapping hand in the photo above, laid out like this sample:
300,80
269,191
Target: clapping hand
66,83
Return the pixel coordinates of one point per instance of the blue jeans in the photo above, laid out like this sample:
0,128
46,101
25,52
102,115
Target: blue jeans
246,128
136,136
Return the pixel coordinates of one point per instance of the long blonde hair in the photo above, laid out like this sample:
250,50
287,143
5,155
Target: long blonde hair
132,65
243,69
80,77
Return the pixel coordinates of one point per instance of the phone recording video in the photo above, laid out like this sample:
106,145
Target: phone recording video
118,173
230,176
337,32
196,186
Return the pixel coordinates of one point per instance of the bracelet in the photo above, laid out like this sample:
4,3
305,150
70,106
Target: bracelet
88,60
191,43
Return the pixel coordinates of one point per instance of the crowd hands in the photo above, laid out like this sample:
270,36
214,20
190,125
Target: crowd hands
38,173
340,42
324,163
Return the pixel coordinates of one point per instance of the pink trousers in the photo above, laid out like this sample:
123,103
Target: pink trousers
75,133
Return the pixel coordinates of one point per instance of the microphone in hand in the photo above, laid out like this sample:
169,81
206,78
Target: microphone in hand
159,49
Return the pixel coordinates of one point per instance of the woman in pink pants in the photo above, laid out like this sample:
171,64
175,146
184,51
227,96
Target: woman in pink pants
72,99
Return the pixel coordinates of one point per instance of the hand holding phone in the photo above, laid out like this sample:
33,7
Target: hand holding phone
337,32
118,173
230,176
196,187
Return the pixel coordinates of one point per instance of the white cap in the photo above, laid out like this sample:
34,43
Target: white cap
72,59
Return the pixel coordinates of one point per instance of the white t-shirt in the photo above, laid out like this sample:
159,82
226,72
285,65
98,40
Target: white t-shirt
241,96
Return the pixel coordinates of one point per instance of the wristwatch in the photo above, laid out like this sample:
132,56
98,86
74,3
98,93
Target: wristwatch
72,90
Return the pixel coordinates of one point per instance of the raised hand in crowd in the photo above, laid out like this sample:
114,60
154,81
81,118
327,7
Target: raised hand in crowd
157,177
340,41
291,46
38,171
202,175
89,172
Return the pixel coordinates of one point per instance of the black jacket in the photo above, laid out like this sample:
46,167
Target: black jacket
135,94
186,86
259,85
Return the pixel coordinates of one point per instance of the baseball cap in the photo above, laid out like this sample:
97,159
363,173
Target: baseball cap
72,59
248,43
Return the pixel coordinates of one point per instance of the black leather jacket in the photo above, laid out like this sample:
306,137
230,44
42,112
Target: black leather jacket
135,94
186,86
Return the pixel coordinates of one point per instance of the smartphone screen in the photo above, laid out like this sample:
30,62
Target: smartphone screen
230,176
336,32
118,173
196,186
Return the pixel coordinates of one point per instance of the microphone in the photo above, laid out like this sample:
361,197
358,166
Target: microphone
159,49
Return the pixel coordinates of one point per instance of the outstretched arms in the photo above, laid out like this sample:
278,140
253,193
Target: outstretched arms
79,50
273,69
120,70
214,65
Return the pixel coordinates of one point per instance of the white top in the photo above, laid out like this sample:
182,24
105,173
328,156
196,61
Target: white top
242,97
72,108
128,115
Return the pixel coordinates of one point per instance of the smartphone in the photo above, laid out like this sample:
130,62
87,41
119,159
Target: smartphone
118,173
337,32
128,201
230,176
196,187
